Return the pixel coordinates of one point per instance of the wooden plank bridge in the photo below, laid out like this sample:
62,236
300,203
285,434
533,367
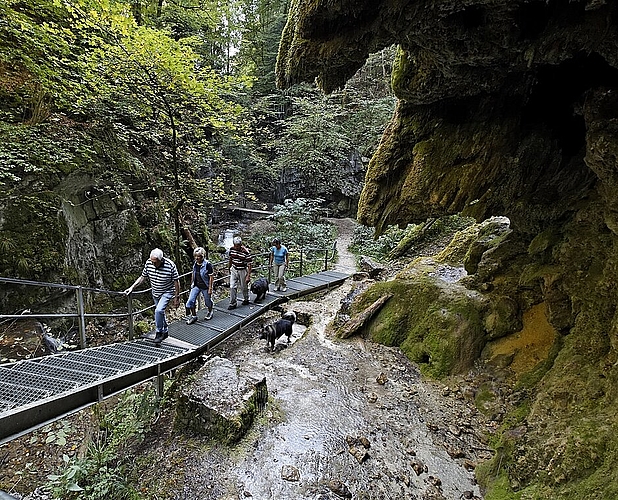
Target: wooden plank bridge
38,391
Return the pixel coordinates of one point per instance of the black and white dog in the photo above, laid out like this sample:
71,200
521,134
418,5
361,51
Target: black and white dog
259,287
280,327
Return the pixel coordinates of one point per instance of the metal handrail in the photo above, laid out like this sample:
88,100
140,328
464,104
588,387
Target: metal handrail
82,315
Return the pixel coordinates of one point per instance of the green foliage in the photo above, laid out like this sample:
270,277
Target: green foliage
104,471
34,230
313,146
44,151
364,241
319,145
39,56
299,224
263,23
151,102
395,242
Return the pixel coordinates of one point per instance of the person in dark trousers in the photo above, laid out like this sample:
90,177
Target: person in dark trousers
239,264
165,285
278,259
202,278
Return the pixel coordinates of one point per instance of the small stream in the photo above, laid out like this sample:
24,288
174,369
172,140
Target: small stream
345,419
323,394
225,239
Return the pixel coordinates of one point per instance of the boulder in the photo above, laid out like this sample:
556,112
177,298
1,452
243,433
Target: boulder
371,267
221,402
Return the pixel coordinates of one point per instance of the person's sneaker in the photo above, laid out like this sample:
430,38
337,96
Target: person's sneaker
209,314
232,306
191,320
245,302
284,288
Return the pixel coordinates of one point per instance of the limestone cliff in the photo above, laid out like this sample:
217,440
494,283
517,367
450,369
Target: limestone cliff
510,108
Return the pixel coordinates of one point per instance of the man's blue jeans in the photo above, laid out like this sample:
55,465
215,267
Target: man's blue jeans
161,303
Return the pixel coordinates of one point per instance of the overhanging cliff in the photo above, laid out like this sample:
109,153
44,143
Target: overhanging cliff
492,116
510,108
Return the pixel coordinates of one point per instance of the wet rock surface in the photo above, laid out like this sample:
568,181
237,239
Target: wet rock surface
345,419
222,401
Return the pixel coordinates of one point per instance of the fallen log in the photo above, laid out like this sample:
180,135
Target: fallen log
356,323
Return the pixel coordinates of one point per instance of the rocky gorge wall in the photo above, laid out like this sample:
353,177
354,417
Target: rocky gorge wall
506,108
87,220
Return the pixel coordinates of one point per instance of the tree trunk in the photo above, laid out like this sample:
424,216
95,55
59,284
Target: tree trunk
355,324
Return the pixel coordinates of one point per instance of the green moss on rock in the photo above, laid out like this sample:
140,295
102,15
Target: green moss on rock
34,234
437,324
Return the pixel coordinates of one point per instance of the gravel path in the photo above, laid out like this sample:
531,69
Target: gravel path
346,262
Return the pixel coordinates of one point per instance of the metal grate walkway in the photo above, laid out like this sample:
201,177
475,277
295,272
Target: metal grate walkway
37,391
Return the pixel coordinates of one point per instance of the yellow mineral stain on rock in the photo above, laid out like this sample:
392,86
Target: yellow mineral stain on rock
529,346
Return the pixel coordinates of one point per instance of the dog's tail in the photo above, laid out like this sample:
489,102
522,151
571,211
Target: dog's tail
290,316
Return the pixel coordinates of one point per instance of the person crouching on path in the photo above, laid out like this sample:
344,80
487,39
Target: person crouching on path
240,271
202,278
165,286
278,259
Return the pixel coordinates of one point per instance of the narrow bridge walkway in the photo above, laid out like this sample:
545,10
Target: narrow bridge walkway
37,391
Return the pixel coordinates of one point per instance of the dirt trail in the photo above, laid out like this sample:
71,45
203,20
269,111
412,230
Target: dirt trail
346,262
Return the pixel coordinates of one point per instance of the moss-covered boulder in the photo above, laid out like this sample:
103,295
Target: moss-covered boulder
221,402
437,322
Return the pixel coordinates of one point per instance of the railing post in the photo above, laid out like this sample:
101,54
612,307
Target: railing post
130,314
82,318
159,383
301,262
325,259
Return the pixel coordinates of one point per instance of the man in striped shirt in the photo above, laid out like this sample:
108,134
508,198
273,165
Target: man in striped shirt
165,285
240,271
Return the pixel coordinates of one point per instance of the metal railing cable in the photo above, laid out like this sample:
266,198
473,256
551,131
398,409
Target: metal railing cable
301,260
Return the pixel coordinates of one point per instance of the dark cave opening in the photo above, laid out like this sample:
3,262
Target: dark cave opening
556,98
424,359
532,18
470,17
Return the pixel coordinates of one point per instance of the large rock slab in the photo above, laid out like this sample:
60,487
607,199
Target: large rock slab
221,402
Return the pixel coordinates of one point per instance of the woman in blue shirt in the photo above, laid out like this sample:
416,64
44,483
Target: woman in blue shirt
278,260
202,278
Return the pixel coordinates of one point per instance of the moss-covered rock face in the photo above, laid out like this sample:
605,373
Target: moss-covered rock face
67,217
496,99
436,322
435,315
506,108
